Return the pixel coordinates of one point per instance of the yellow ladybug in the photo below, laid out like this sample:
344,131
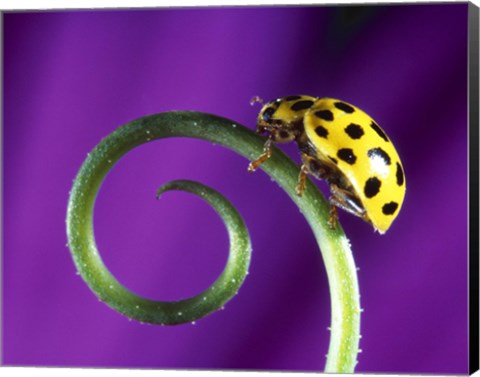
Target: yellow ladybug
341,144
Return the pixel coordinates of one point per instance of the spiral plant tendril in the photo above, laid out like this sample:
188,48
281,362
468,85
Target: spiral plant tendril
334,246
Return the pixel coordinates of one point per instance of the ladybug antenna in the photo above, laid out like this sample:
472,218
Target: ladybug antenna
256,99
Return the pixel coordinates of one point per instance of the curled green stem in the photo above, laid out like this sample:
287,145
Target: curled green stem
334,246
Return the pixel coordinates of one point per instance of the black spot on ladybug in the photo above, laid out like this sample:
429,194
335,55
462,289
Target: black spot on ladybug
302,105
354,131
389,208
347,155
372,187
400,177
375,153
344,107
321,131
324,114
292,98
267,113
378,130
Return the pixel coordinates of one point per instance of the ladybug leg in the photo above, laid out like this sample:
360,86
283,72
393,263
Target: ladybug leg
302,178
345,200
333,217
312,166
267,153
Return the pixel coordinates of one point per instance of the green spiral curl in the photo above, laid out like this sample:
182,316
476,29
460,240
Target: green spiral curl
334,246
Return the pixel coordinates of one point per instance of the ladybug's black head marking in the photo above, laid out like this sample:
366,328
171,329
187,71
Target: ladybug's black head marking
267,113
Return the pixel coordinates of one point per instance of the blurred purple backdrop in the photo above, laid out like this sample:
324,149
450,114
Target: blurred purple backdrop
71,78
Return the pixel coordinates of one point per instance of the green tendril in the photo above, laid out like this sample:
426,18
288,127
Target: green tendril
334,246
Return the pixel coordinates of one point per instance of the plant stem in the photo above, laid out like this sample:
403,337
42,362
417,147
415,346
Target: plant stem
334,246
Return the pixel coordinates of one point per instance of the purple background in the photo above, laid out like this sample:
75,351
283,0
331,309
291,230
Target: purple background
71,78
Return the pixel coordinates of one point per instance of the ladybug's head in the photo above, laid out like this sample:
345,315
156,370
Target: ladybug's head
278,123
